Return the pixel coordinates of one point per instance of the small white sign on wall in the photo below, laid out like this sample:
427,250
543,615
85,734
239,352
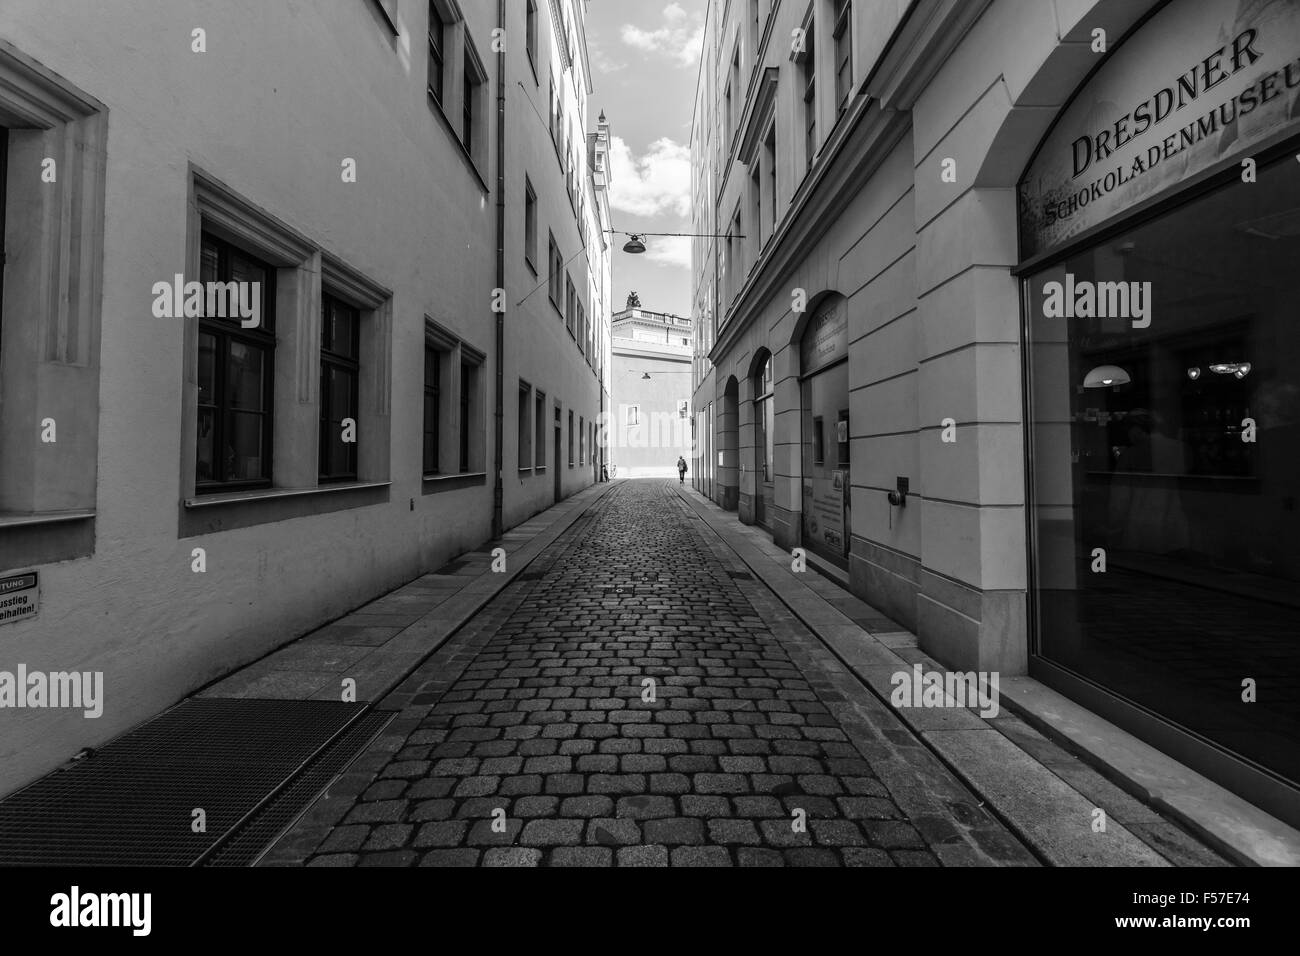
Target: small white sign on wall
20,596
719,459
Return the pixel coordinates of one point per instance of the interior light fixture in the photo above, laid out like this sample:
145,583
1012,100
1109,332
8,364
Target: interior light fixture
1106,376
1239,369
1194,373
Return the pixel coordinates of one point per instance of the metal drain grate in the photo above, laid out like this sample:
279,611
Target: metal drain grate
132,802
246,844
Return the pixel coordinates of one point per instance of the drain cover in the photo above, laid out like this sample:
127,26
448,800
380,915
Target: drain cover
133,802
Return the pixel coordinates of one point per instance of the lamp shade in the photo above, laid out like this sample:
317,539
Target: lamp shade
634,245
1105,376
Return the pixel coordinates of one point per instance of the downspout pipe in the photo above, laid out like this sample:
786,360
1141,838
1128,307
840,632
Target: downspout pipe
498,487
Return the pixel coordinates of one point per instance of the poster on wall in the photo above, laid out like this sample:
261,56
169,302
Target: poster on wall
1203,81
20,596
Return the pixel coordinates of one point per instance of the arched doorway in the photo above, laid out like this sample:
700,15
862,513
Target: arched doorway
824,402
764,430
728,487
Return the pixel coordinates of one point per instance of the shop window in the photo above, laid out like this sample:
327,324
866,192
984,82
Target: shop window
340,376
236,372
1165,429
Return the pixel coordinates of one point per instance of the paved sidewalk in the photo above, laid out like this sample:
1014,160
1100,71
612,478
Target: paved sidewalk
381,642
1047,795
640,700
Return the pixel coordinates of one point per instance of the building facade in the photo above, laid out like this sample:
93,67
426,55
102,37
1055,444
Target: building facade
651,426
995,325
264,321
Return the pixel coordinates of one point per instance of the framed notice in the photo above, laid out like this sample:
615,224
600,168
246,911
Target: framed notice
20,596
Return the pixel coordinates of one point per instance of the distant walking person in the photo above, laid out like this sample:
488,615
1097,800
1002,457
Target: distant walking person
681,470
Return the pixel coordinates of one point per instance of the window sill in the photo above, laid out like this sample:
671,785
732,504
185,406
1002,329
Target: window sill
434,484
275,494
31,539
540,470
16,520
525,471
227,511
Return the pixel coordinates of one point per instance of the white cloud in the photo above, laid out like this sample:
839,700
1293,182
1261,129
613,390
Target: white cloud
674,251
680,38
656,184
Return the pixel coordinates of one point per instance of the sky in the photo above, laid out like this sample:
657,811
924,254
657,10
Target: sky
645,59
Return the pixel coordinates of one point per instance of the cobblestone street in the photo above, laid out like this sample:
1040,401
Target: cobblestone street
637,699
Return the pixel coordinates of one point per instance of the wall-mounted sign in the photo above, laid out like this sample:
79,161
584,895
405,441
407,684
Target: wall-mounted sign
20,596
1202,81
826,338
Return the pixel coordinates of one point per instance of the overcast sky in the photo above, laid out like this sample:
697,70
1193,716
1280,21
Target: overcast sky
645,57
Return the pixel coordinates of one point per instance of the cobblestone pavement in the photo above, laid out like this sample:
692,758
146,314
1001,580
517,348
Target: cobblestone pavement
533,737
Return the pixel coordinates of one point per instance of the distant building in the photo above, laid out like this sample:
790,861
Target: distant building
651,384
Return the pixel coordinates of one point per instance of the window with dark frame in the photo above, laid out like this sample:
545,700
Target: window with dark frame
582,440
819,441
530,35
468,372
432,407
570,438
570,303
530,225
810,93
556,290
539,423
437,60
770,149
340,350
467,108
843,53
235,379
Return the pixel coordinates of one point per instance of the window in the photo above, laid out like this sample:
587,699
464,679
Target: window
756,205
555,117
737,99
539,424
755,31
525,426
433,359
530,225
582,328
570,304
684,408
571,438
467,109
235,372
819,441
556,276
810,93
769,157
340,350
468,383
437,61
843,52
4,179
530,36
632,415
582,440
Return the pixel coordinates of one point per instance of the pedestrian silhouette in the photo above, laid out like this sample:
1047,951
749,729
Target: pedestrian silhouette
681,470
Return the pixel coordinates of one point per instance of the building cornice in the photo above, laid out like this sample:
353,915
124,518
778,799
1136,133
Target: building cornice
859,144
924,40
